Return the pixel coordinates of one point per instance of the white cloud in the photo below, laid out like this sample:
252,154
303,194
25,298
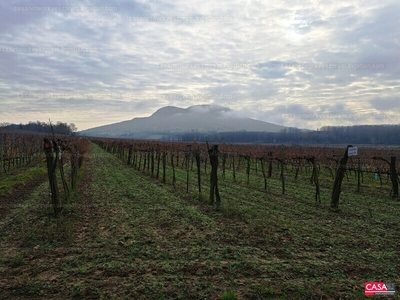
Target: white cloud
254,57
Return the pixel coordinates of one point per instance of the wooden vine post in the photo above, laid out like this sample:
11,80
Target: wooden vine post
164,164
140,159
269,164
233,167
158,156
1,150
74,165
223,165
187,160
359,175
134,159
338,179
197,156
152,161
315,179
297,167
51,171
130,155
213,154
145,160
58,148
393,175
173,170
247,158
263,173
282,176
148,160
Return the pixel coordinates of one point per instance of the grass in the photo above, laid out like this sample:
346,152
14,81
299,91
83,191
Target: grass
18,178
229,295
128,236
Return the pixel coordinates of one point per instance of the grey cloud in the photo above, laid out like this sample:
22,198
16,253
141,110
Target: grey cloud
270,70
291,109
262,91
133,8
279,114
386,104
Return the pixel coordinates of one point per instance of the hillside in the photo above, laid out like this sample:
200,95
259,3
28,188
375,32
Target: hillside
171,119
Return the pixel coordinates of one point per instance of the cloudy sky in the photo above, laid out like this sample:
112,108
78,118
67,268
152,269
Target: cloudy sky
296,63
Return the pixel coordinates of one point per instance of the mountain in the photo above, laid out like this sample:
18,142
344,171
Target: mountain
174,120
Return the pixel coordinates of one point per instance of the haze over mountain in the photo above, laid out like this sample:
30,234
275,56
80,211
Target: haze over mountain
173,120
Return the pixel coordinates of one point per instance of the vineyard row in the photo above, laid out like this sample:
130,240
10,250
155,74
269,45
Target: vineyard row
154,157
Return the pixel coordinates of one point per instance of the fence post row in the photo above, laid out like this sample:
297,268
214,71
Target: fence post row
288,157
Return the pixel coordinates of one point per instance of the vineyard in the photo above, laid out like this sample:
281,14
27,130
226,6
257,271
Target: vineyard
17,150
161,220
260,164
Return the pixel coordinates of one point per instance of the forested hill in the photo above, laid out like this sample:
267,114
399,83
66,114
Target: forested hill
41,127
358,134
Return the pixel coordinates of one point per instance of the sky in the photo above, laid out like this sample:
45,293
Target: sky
303,64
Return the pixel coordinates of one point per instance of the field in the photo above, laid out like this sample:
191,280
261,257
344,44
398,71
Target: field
127,235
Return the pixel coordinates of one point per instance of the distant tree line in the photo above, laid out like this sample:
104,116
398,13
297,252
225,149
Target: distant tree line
358,134
57,128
